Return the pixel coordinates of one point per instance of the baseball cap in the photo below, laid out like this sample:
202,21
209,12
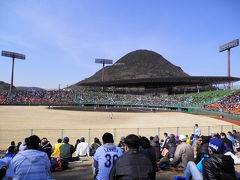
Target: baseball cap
216,145
182,138
66,140
82,139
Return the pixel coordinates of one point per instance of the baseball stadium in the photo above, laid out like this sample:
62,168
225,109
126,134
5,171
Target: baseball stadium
142,93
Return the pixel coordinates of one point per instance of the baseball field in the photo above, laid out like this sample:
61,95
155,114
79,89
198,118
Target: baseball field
18,122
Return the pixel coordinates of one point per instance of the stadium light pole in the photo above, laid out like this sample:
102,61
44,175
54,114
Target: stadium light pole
227,47
103,62
13,55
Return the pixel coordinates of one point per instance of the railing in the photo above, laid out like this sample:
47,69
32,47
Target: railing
8,135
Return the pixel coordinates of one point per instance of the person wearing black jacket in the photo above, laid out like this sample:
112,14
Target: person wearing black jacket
133,164
215,167
218,166
46,147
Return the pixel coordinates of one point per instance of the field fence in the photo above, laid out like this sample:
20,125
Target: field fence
8,135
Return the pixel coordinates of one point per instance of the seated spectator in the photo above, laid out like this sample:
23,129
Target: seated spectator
133,164
4,163
148,150
188,140
46,147
196,146
94,146
165,140
168,152
183,153
56,148
105,157
216,166
11,152
155,144
13,147
236,135
18,146
31,163
77,142
121,143
66,150
82,148
231,138
23,146
227,143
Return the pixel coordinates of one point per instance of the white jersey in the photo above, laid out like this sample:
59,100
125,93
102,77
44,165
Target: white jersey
106,155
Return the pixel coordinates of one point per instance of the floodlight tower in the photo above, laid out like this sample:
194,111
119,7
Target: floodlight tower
103,62
13,55
225,47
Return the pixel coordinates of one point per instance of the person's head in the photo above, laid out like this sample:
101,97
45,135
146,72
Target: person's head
216,146
165,134
205,139
59,140
12,143
19,143
11,149
172,138
107,138
156,139
151,138
144,142
82,139
222,135
26,139
33,142
234,131
122,140
229,133
196,125
96,140
132,142
216,135
44,141
66,140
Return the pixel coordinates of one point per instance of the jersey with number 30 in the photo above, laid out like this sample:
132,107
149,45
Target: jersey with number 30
106,155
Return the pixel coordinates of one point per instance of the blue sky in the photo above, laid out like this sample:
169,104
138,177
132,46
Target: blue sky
62,38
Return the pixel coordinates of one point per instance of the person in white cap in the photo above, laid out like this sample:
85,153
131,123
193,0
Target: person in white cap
183,153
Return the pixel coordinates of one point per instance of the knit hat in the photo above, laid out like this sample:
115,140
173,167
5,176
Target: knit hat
216,145
82,139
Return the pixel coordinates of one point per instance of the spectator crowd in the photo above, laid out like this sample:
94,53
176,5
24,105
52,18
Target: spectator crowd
221,100
229,104
134,157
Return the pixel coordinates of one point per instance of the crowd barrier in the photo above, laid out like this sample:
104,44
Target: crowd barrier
8,135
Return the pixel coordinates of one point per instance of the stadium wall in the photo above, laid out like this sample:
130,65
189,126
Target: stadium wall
199,111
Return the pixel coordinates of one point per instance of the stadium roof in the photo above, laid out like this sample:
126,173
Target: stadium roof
163,82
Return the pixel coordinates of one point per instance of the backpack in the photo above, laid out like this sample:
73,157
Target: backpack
58,164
